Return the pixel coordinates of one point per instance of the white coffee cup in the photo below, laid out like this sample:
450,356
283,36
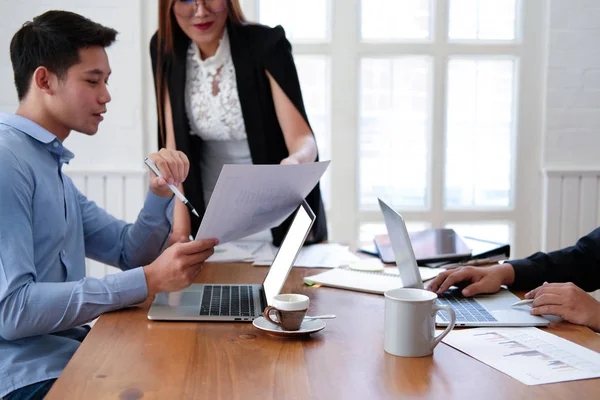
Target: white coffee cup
410,322
290,310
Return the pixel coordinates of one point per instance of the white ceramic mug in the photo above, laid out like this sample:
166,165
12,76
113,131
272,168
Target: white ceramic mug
290,310
410,322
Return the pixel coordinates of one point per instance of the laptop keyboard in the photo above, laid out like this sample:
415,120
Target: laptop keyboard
466,308
227,301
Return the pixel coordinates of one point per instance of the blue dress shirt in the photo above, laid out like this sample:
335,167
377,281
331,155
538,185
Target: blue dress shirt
47,228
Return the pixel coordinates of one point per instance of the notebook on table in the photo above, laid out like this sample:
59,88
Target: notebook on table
366,281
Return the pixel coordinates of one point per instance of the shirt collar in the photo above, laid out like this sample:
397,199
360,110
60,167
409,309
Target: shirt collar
212,64
38,133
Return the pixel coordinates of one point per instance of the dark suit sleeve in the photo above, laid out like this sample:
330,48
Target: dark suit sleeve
153,57
579,264
278,60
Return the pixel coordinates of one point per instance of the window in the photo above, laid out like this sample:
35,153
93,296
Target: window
480,106
387,21
394,130
313,72
417,102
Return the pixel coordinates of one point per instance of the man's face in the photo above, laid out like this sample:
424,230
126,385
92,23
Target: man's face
80,97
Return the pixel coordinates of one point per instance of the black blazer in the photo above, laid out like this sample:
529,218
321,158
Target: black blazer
579,264
254,49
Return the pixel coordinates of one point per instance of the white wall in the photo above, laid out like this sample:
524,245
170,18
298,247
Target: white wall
572,134
571,145
128,130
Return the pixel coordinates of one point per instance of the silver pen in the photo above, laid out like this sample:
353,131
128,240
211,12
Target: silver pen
180,196
522,303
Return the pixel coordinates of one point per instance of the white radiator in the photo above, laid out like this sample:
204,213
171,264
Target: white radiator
571,206
120,192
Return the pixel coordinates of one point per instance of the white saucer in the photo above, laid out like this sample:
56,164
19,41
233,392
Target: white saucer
307,327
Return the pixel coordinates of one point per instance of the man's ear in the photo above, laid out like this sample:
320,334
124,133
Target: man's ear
44,80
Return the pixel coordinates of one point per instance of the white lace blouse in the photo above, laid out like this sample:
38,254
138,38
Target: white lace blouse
211,98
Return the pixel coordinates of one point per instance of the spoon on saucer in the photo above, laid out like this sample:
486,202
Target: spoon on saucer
326,316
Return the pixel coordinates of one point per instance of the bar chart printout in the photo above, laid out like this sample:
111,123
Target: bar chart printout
529,355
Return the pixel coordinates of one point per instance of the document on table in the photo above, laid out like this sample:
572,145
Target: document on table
262,253
230,252
326,255
242,251
529,355
250,198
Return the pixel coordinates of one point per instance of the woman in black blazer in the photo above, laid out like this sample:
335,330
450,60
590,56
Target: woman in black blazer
228,92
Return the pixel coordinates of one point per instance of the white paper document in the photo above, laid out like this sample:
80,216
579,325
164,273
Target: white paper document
262,253
251,198
327,255
229,252
242,251
529,355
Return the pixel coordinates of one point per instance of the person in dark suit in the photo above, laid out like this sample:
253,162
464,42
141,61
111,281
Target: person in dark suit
228,93
558,281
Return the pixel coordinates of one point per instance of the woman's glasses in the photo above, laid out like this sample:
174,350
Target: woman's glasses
188,8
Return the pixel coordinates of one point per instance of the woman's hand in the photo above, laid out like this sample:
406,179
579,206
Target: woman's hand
174,167
291,160
178,237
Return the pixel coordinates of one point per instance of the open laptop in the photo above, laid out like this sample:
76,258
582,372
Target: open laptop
236,302
482,310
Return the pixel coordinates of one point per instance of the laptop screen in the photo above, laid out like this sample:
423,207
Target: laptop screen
403,251
284,260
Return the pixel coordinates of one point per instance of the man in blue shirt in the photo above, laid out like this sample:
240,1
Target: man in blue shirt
47,227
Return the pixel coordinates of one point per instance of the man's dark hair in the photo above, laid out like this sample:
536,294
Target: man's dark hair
53,40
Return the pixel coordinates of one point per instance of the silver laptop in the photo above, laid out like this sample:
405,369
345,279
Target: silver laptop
482,310
236,302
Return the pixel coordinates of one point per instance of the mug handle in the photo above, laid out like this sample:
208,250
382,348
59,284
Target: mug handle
267,315
437,308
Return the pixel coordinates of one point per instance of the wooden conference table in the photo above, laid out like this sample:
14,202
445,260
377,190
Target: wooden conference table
126,356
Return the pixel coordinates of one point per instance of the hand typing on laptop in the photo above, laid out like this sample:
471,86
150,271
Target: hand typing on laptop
565,300
483,280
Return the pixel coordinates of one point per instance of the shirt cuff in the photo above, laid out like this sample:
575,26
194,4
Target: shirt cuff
156,205
527,274
132,286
